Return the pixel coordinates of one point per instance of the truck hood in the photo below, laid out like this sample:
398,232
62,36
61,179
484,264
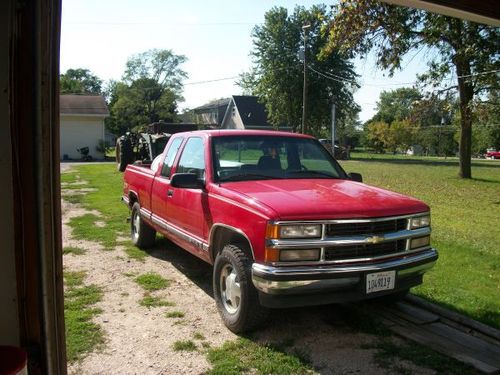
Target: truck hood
316,199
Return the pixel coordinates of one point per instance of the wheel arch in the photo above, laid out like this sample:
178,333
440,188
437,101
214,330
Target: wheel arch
132,198
222,235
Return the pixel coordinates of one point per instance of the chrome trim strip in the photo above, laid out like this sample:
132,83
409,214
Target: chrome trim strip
263,269
179,233
145,213
418,269
346,240
353,260
348,221
126,200
239,231
302,286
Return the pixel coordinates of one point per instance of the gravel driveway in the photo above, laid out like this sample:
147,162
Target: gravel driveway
140,340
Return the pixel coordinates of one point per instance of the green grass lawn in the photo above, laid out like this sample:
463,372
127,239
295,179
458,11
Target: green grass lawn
465,224
465,221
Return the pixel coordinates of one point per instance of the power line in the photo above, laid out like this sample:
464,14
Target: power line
479,74
173,24
211,80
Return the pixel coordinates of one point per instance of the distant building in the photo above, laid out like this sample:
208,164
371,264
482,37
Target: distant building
212,113
82,124
236,112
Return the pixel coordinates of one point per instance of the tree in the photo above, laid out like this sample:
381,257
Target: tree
377,134
149,92
487,124
466,49
80,81
277,73
396,104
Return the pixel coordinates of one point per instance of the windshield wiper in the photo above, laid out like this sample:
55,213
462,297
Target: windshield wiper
248,177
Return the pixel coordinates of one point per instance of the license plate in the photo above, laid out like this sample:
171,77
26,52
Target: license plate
375,282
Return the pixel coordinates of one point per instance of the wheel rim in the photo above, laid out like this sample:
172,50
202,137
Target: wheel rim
136,222
230,289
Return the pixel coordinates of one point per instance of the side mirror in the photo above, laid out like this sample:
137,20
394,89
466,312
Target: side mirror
186,181
356,177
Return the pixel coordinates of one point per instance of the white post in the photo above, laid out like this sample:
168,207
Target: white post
333,128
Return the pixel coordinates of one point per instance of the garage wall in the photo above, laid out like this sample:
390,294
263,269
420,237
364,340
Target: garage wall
232,120
81,131
9,323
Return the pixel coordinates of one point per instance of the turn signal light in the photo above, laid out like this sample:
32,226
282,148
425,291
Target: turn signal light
271,255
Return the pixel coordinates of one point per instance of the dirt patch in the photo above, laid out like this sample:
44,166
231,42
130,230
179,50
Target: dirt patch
140,340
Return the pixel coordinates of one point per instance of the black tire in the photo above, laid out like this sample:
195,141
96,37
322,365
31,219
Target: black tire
239,313
143,236
124,153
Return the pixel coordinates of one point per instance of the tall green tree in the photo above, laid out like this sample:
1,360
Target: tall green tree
465,50
80,81
149,91
277,73
396,104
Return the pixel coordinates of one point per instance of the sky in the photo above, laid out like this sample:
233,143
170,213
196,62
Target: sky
215,36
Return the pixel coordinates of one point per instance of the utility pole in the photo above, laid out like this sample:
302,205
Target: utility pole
305,28
333,127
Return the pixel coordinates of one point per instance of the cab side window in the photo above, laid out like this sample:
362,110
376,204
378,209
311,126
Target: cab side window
169,159
193,158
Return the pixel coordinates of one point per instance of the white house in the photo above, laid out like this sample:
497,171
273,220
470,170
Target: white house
82,124
236,112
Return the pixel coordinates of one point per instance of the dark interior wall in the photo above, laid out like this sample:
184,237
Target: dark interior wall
9,322
30,225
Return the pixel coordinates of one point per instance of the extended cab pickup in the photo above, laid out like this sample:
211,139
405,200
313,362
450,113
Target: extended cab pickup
282,223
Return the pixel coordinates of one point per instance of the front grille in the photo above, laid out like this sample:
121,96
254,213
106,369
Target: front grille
364,251
376,227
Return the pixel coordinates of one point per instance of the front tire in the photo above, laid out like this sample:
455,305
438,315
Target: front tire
235,295
143,236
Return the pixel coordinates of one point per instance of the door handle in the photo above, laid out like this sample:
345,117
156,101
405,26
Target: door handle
170,193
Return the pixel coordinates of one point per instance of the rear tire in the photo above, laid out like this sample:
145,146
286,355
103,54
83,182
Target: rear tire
235,295
143,236
124,153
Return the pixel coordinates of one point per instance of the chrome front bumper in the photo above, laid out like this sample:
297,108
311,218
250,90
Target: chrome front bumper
304,280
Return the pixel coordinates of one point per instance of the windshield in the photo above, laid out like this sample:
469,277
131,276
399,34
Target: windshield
241,158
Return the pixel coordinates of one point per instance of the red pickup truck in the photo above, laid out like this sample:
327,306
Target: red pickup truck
282,223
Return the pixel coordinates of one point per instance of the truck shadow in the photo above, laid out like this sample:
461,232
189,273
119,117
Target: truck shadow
325,338
197,270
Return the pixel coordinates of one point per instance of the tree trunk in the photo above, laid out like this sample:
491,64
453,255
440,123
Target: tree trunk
466,94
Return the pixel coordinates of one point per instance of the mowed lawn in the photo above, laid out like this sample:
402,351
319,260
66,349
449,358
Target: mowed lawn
465,226
465,222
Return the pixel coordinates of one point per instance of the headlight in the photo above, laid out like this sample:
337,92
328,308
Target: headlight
420,221
300,231
299,255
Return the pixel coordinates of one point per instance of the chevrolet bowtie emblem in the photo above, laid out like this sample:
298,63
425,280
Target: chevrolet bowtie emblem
375,239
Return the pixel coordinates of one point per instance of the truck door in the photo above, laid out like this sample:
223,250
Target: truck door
186,208
161,184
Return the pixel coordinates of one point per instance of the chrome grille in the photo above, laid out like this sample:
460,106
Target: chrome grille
374,227
364,250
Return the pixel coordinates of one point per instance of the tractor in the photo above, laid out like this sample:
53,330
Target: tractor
143,146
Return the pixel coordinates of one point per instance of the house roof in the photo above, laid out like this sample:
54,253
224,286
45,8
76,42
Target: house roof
212,105
252,112
83,105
